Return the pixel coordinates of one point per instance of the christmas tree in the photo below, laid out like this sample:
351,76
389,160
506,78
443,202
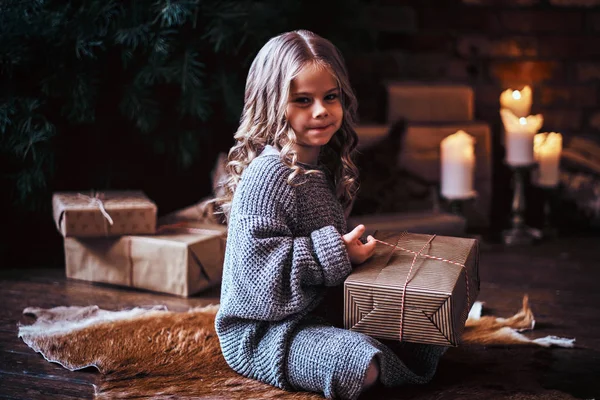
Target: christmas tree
141,94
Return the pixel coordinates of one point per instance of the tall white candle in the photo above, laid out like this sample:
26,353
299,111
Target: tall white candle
519,133
458,164
517,101
547,148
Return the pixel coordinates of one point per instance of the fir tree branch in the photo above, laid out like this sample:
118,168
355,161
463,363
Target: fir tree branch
190,71
140,108
173,13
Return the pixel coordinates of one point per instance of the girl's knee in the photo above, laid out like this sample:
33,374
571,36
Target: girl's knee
372,375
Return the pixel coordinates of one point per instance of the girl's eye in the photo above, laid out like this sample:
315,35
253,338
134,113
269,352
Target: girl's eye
332,96
302,100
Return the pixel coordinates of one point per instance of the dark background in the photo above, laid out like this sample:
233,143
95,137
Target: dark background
552,45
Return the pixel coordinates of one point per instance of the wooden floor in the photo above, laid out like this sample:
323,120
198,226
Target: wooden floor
561,278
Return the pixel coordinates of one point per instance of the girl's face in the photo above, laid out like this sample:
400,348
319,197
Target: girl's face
314,111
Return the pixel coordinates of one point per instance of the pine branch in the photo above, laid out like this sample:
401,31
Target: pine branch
7,112
223,22
168,66
174,13
190,71
30,128
81,105
195,103
162,45
187,149
140,108
133,37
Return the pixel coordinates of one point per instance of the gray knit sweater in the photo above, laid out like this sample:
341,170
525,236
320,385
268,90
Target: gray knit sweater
284,247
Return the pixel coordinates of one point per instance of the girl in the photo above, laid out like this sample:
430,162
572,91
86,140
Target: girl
291,177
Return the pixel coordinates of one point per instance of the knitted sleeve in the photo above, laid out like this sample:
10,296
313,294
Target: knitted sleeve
281,271
278,273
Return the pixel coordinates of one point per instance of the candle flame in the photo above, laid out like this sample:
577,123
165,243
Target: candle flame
523,121
516,95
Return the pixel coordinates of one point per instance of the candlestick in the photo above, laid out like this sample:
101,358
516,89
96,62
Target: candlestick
546,149
548,230
519,133
520,233
517,101
457,166
457,206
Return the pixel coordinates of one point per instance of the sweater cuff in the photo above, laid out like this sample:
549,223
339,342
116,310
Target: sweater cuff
332,255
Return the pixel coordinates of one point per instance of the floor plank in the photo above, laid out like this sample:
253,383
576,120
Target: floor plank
42,387
560,278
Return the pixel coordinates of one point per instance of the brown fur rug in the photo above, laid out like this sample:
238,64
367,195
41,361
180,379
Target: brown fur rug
155,353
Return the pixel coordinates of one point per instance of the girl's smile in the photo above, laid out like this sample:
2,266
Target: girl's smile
322,128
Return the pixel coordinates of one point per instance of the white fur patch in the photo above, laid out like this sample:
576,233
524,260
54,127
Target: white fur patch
475,312
555,341
61,320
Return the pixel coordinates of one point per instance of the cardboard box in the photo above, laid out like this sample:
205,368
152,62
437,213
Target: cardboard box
420,155
438,296
179,261
202,212
416,222
414,101
110,213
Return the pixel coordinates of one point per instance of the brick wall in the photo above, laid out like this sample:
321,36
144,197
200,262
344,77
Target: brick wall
552,45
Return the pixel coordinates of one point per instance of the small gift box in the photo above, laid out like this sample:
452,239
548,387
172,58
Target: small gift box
201,212
416,288
110,213
180,260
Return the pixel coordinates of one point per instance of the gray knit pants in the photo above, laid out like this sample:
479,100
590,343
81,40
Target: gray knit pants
334,361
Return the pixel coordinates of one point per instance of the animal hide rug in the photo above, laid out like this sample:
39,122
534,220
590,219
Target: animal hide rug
155,353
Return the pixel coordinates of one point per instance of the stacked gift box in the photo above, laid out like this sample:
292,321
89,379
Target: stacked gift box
113,237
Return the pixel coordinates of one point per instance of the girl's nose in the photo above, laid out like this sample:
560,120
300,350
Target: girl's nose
319,110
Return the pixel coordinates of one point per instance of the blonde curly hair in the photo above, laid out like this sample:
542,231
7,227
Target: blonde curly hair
264,121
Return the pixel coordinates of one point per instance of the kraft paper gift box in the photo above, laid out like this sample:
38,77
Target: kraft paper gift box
202,212
181,261
432,307
109,213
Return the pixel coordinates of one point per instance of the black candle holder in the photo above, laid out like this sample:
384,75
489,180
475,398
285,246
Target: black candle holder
520,233
549,231
457,205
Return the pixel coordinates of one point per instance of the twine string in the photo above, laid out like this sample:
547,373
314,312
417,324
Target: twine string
408,276
406,284
96,199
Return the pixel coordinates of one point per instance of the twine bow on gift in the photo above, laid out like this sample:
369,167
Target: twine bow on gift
408,276
97,200
89,213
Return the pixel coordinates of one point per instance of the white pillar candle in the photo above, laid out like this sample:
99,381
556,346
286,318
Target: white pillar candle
517,101
547,148
519,133
458,164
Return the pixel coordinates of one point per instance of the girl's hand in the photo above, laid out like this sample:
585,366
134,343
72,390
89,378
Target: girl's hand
357,251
